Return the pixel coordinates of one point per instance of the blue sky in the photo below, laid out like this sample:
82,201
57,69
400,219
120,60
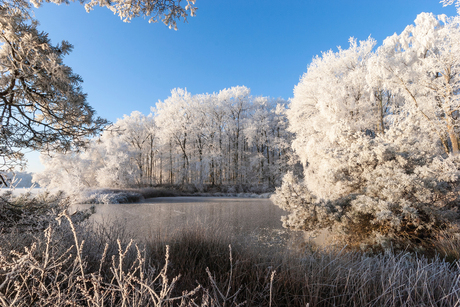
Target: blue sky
265,45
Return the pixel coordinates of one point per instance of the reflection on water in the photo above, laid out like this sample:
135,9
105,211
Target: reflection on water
242,216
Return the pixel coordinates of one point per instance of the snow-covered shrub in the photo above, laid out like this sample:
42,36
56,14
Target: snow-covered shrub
295,198
107,196
388,195
395,193
32,213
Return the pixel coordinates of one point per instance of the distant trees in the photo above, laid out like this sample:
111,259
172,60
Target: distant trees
377,132
227,138
127,151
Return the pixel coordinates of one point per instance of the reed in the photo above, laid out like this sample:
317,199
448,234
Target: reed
75,263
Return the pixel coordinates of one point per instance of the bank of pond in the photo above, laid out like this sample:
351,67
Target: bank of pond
202,251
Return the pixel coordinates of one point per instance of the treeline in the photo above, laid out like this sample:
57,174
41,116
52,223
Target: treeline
228,138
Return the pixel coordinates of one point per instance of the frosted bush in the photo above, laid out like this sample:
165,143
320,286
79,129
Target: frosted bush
102,196
306,212
387,195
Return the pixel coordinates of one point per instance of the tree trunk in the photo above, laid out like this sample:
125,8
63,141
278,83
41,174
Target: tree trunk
453,139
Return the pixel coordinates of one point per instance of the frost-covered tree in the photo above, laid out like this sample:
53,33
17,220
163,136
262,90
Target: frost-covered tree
237,103
395,194
178,109
128,151
120,164
373,131
167,11
42,106
450,2
331,101
422,64
70,172
121,157
269,142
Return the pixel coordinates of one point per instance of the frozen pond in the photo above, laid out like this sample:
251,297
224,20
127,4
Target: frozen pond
240,216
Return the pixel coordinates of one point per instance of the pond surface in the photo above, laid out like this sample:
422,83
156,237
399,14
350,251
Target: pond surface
249,217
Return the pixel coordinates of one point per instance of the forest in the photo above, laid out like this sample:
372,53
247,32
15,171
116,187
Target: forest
227,139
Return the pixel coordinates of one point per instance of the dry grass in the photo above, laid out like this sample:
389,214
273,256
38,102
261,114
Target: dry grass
73,263
447,244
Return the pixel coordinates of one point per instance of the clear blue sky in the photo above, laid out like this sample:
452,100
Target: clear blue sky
265,45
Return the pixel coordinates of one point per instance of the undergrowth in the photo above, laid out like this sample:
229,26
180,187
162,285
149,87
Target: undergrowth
68,261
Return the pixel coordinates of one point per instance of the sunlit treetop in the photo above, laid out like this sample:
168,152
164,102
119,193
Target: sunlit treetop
450,2
167,11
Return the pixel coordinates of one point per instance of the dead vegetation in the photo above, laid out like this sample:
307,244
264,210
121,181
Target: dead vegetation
73,263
